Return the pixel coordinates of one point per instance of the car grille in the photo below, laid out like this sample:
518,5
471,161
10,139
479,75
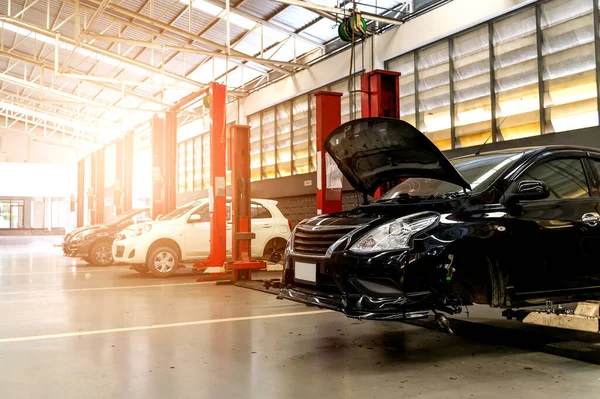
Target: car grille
316,240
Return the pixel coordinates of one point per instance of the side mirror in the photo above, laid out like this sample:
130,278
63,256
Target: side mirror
195,218
527,190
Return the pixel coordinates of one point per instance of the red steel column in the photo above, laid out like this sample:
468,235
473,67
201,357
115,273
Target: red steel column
80,191
99,189
380,97
329,116
218,232
127,182
380,94
158,166
171,161
118,186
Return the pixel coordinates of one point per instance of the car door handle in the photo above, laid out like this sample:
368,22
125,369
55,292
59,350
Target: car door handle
267,225
591,219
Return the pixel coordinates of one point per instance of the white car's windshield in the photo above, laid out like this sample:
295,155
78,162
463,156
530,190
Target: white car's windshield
175,213
478,170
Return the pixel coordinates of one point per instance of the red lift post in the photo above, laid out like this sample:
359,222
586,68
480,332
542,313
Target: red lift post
380,97
241,234
328,116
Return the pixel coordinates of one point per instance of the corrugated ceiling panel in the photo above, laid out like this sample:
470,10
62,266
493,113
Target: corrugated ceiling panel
218,32
261,8
294,17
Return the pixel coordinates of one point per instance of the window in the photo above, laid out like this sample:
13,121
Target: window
11,214
181,168
284,155
565,177
268,144
472,101
406,66
255,162
300,139
198,163
434,94
569,65
204,213
516,85
258,211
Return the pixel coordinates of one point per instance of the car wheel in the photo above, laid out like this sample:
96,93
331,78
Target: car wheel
101,254
274,250
87,259
163,262
140,268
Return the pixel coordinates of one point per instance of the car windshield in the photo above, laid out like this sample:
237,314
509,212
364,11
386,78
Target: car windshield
178,212
478,170
122,217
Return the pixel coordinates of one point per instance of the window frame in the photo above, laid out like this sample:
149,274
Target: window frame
262,206
548,156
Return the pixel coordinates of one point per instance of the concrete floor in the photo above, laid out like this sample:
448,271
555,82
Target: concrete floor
70,330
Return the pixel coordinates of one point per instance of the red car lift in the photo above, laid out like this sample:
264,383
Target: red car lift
329,186
241,264
241,234
380,97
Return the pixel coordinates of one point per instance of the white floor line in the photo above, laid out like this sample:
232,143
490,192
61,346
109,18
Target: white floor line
157,326
129,287
83,270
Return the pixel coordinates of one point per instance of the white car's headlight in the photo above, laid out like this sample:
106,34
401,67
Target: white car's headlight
141,230
396,235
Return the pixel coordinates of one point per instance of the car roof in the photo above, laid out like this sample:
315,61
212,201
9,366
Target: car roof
534,149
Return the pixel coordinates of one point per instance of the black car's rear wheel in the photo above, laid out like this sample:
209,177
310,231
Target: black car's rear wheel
101,254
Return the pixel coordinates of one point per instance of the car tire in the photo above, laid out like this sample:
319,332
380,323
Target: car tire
163,262
87,259
101,254
274,250
140,268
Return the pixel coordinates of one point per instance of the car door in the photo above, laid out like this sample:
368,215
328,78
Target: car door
197,234
263,225
553,238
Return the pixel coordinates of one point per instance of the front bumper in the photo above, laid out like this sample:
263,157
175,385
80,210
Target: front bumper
78,249
366,288
129,251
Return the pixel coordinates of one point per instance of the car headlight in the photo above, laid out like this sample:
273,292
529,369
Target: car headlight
397,234
141,230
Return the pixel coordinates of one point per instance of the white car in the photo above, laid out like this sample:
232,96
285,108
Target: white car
183,235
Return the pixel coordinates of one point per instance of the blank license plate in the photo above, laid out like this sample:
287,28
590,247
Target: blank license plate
306,272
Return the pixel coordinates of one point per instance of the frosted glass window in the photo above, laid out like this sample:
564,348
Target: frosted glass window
434,94
406,66
198,163
181,168
284,140
300,137
268,143
472,101
516,85
255,171
569,65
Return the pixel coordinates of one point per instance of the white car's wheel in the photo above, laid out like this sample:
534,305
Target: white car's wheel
163,262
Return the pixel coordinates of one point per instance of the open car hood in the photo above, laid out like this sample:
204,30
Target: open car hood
373,151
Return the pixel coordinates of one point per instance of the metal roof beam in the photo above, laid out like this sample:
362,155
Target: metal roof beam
180,32
334,10
99,50
188,49
271,25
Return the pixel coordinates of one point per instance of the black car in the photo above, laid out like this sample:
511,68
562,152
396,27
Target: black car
508,229
93,243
